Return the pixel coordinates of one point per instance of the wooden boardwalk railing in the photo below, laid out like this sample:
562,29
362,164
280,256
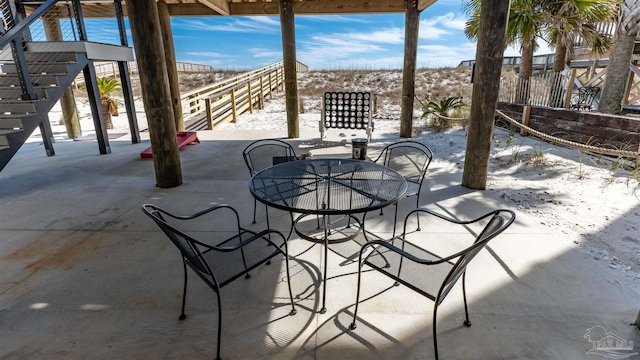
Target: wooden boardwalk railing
110,69
222,102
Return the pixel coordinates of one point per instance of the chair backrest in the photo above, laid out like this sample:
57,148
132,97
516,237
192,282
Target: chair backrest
262,154
409,158
500,220
587,95
187,245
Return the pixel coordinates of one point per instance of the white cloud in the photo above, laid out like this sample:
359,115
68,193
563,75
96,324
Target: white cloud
207,54
320,51
243,25
453,22
543,48
265,53
333,18
385,36
265,20
442,55
435,28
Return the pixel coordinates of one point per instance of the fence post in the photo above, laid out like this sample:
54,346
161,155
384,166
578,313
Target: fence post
192,104
567,101
233,106
270,85
277,82
261,94
375,103
526,115
250,96
207,104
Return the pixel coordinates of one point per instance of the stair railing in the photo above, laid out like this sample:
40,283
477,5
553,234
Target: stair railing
45,23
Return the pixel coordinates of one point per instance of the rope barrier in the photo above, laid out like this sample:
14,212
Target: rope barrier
572,144
449,118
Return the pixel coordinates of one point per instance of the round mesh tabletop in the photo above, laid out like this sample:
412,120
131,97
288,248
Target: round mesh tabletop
328,186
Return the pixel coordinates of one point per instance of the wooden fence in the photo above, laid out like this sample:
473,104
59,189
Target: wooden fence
223,101
544,89
110,69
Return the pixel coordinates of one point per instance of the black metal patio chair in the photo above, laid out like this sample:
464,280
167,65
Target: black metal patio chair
586,97
411,159
410,263
225,260
262,154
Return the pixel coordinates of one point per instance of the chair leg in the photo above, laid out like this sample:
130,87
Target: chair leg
355,311
467,323
418,214
395,219
325,219
435,337
266,211
219,325
286,263
184,291
255,202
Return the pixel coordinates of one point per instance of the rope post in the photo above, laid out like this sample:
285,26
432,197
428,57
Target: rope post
526,116
375,103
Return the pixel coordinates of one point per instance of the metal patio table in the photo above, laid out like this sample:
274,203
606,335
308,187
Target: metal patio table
327,187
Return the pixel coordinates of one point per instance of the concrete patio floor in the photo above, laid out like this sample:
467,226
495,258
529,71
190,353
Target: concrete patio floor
84,274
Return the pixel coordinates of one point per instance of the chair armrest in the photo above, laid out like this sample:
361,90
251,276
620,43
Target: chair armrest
254,237
388,245
449,219
200,213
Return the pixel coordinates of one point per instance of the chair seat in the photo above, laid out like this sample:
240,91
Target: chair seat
426,280
412,189
228,266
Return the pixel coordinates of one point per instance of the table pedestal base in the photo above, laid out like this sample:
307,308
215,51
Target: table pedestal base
324,231
336,233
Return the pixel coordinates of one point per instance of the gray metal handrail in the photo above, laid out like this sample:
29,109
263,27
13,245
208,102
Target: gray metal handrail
17,30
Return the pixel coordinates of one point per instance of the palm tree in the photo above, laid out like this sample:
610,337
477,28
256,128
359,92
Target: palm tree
526,18
618,66
569,19
440,111
109,105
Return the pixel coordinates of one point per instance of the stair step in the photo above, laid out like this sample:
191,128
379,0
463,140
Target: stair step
8,131
4,142
51,57
15,92
38,68
12,106
10,123
37,80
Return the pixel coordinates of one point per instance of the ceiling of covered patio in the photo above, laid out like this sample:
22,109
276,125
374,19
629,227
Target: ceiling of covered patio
259,7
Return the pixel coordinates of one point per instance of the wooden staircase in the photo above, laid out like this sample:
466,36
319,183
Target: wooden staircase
20,117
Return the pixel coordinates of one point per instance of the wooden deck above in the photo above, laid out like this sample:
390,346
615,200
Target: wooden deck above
102,8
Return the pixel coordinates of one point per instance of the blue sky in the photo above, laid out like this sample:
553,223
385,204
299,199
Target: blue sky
328,41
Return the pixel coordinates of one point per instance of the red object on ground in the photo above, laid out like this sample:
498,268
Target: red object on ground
184,138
